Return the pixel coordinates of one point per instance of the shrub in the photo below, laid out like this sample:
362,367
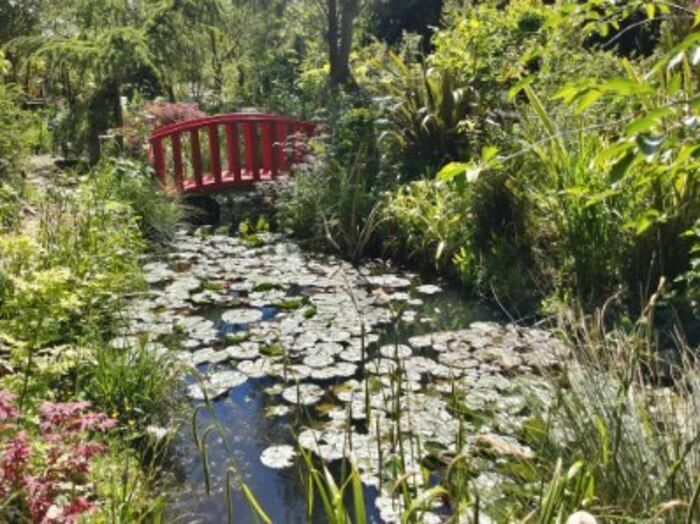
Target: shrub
621,201
66,283
355,135
470,223
133,383
428,222
44,474
158,215
140,123
332,204
426,110
164,114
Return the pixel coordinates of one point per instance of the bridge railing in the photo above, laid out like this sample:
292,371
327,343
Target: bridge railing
226,151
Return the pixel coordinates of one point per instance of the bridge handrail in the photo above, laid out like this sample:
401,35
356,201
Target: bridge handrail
186,125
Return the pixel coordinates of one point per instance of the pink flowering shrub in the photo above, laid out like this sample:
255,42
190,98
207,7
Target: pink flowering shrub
44,477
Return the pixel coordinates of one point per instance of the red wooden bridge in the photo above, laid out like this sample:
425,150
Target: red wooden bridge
187,156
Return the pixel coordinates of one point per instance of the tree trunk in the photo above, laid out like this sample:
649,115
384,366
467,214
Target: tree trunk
104,112
333,39
341,24
217,67
350,10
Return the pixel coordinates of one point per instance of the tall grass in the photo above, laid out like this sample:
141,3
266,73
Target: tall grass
632,418
134,384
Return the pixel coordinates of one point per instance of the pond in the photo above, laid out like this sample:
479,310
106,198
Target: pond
295,347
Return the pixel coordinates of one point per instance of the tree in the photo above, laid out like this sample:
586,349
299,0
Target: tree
95,46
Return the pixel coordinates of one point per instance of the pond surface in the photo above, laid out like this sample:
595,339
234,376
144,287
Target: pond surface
293,347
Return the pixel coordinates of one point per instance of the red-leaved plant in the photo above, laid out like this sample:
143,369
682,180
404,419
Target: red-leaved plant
153,116
44,478
164,113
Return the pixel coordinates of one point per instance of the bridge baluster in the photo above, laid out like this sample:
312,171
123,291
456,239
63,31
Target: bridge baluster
298,143
215,153
196,157
251,158
269,163
159,160
177,162
233,155
280,145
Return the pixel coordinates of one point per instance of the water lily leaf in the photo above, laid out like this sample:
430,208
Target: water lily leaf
278,457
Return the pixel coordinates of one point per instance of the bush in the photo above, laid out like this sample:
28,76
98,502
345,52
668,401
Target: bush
428,222
158,215
426,110
44,472
332,204
335,195
65,283
473,230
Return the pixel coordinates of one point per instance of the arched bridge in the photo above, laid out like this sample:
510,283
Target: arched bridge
256,147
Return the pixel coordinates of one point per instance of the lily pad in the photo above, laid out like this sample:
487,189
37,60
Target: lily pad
392,351
428,289
242,316
278,457
304,394
244,351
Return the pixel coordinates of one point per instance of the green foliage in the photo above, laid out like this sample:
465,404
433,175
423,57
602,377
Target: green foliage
133,383
158,215
66,282
622,430
428,221
469,222
426,110
333,204
356,134
621,204
690,280
15,131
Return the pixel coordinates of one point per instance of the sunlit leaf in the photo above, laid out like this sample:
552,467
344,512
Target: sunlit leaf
675,61
452,170
645,123
488,154
626,87
588,99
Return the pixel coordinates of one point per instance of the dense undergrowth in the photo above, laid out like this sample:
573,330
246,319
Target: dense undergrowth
542,154
75,409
